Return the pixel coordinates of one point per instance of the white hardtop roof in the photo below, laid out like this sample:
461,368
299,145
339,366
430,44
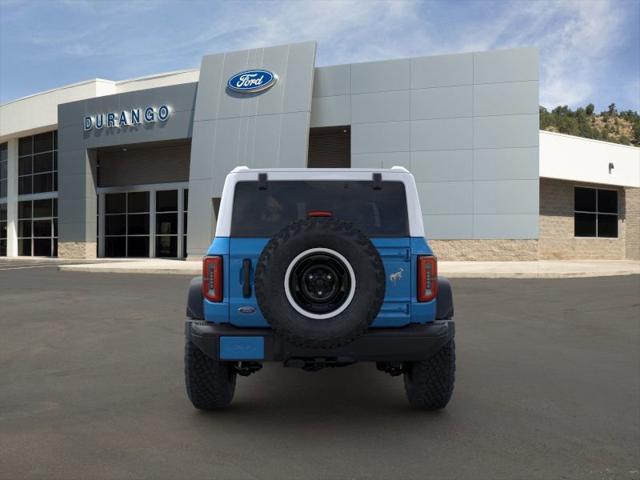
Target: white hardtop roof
311,171
243,174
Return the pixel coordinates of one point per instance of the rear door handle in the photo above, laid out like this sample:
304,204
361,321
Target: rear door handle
246,278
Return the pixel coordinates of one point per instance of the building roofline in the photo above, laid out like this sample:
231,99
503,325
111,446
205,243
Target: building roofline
547,132
101,80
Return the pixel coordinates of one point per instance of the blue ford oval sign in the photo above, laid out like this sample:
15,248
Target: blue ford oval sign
252,81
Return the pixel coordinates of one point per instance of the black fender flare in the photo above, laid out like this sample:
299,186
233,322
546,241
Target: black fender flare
195,304
444,300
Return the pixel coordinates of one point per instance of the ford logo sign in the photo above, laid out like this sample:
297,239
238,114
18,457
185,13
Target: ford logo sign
252,81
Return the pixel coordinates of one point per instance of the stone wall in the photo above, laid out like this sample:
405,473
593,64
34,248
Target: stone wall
77,249
485,250
557,240
632,228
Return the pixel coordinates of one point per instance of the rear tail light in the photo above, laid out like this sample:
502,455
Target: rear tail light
427,278
212,278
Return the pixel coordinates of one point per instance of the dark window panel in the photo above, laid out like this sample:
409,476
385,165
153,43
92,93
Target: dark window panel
3,230
3,248
184,226
186,199
167,201
43,142
608,226
166,246
55,161
167,223
25,146
55,182
138,202
4,151
138,246
42,228
43,183
24,247
115,247
43,208
42,247
138,224
115,203
585,199
3,212
55,207
25,165
4,166
24,209
43,162
25,185
55,227
607,201
585,225
184,247
55,139
24,228
3,188
115,224
55,247
262,213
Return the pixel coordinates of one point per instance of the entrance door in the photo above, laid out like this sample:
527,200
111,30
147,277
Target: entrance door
126,224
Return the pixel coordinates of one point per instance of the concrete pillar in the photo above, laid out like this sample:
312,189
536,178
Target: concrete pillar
12,198
77,201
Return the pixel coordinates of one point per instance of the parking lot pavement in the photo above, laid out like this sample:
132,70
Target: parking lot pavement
548,386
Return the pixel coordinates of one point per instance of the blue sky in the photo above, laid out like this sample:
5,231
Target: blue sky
590,50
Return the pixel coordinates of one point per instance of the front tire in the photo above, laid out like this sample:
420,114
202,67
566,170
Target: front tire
210,384
429,383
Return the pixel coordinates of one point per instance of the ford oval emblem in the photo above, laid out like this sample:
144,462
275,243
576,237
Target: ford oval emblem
246,309
252,81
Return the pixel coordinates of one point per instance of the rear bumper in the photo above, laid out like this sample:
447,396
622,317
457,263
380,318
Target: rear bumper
410,343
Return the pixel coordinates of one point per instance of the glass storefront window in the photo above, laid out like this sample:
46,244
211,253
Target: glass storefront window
38,164
167,223
4,163
3,229
38,228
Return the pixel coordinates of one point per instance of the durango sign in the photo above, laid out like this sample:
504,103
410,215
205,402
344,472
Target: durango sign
127,118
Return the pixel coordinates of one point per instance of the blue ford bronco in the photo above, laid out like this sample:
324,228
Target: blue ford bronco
319,268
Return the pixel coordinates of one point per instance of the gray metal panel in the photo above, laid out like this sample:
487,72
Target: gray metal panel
294,140
505,226
448,226
446,197
506,197
506,164
268,129
381,107
331,111
381,160
442,165
441,102
505,98
516,65
506,131
442,134
380,76
380,137
332,81
442,70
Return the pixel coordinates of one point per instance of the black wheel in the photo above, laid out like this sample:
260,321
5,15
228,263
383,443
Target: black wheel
320,283
429,383
210,384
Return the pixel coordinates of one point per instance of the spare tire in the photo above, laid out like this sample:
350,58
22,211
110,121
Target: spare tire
320,283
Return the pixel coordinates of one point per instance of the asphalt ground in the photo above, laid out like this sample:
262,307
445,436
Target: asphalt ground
91,387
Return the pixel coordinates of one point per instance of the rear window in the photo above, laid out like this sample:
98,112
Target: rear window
263,213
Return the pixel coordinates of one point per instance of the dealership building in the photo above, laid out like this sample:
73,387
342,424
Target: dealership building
135,168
